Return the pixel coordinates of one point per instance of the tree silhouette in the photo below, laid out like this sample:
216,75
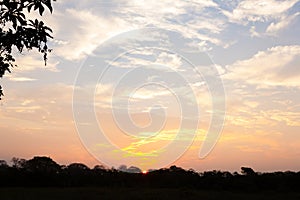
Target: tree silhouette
44,172
41,171
247,171
17,31
3,164
18,163
42,165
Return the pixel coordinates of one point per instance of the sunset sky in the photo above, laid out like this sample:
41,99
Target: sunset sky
157,83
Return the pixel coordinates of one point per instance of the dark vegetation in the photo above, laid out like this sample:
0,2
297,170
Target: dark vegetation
142,193
42,178
44,172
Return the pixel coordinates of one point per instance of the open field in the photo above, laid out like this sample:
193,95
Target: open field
133,193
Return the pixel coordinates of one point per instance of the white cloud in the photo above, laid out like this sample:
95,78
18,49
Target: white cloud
206,22
103,89
82,31
175,16
253,32
146,93
258,10
171,60
31,61
269,68
145,57
86,25
284,21
38,107
21,79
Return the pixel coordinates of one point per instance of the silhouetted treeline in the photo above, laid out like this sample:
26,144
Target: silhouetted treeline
44,172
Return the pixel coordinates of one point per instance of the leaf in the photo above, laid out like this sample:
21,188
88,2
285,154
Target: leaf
5,66
48,35
47,28
1,91
22,15
50,8
14,5
41,9
48,4
30,7
36,6
21,21
14,21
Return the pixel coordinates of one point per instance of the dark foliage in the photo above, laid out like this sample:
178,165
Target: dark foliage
22,33
43,171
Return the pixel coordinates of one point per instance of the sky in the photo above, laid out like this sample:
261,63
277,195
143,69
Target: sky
202,84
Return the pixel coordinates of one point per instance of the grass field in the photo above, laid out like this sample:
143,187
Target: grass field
133,193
